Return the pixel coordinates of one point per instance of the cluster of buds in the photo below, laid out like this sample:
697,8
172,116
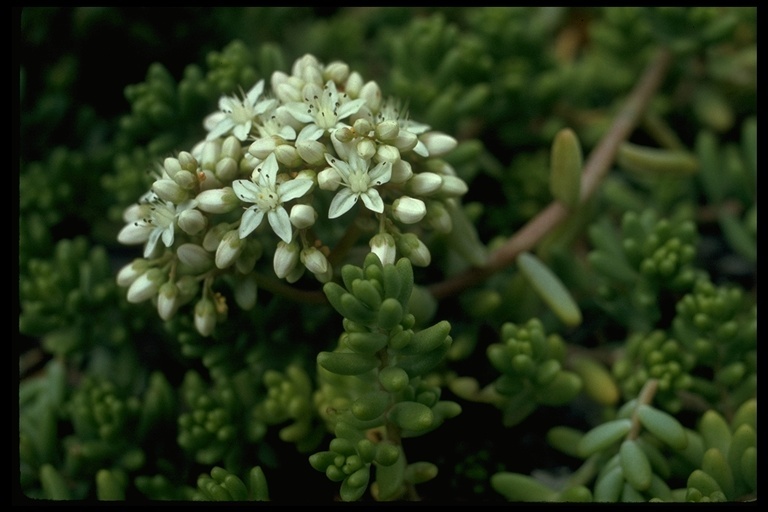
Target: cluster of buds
321,152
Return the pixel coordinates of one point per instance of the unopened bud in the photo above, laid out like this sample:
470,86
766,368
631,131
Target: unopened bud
286,258
328,179
354,84
229,249
211,152
387,130
192,221
213,237
453,186
337,71
424,183
362,127
401,171
366,149
246,292
438,143
129,273
408,210
196,259
188,162
414,249
262,148
169,190
303,216
371,93
205,316
217,200
227,169
171,166
405,140
145,286
232,148
287,155
383,246
311,151
167,300
315,261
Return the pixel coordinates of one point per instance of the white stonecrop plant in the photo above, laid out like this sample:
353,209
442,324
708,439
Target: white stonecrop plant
312,154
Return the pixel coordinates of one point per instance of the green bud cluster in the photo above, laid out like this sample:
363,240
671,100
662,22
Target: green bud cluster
655,356
223,485
649,256
67,299
532,370
380,348
208,428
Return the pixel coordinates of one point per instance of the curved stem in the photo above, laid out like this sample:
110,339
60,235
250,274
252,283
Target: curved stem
595,169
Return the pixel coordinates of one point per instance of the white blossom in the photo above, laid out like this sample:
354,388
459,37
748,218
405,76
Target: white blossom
238,115
358,183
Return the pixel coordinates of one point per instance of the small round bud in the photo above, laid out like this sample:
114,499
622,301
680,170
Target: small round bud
145,286
387,153
188,162
211,151
303,216
453,186
229,249
227,169
287,155
169,190
371,93
197,259
192,221
186,180
424,183
205,316
311,151
438,143
328,179
414,249
354,84
232,148
408,210
387,130
217,200
406,140
286,258
383,246
344,134
401,171
366,149
363,127
337,71
168,300
213,237
262,148
129,273
171,166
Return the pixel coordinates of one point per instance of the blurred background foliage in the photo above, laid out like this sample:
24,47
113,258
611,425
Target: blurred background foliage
105,92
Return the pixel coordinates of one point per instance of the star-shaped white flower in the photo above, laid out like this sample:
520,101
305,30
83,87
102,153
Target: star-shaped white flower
268,196
358,183
152,221
323,107
238,115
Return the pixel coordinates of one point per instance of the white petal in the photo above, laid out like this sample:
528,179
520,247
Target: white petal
281,223
342,202
154,236
210,122
349,108
168,236
372,200
295,188
241,131
255,92
224,126
251,219
268,171
310,132
341,166
246,190
134,233
421,149
381,173
298,110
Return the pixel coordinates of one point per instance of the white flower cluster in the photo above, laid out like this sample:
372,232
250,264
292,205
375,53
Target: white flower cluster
300,156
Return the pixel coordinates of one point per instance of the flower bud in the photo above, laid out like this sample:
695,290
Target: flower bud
205,316
197,259
188,287
453,186
286,258
362,127
314,260
252,251
133,233
171,166
387,153
344,134
287,155
186,180
208,181
424,183
354,84
438,143
168,300
211,152
262,148
366,149
213,237
311,151
246,292
337,71
408,210
371,93
405,140
229,249
383,246
438,217
227,169
217,200
303,216
145,286
401,171
192,221
232,148
169,190
129,273
414,249
387,130
328,179
187,162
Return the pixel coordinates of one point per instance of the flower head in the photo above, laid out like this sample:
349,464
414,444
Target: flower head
323,107
268,196
238,115
359,183
153,220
